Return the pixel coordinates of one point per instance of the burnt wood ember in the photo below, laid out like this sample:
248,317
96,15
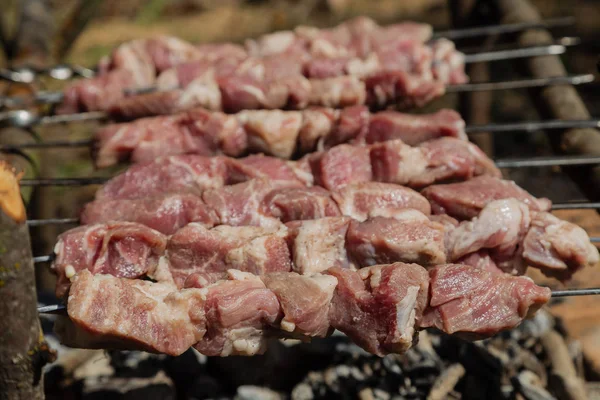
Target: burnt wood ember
278,133
379,308
505,237
434,161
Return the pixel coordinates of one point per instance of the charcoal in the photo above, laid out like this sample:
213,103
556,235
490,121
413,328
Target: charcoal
203,387
390,363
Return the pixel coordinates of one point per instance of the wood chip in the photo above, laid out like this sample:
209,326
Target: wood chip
446,382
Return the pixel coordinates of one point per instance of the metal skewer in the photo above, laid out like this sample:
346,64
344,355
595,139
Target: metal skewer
547,161
556,206
62,309
528,126
532,126
522,83
503,28
534,51
64,181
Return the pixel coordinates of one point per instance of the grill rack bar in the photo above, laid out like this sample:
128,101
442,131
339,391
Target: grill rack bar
454,34
581,205
559,47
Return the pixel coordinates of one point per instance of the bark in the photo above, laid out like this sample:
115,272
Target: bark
560,102
23,351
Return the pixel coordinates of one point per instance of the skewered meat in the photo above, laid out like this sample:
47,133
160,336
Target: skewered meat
121,249
395,162
465,200
273,132
560,247
296,92
392,162
308,246
344,49
476,303
257,202
500,228
135,65
381,308
503,236
355,37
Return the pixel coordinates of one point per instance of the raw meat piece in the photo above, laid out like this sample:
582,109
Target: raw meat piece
558,248
476,303
122,249
380,307
165,213
409,237
465,200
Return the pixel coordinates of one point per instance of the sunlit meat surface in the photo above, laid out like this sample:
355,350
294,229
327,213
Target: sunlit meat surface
273,132
465,200
259,202
476,303
395,162
559,248
380,308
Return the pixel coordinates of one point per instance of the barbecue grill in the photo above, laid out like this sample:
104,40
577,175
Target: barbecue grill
554,97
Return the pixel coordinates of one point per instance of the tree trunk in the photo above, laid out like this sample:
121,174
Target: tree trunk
23,351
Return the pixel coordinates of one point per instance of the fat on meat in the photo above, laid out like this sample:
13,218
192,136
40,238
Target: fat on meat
318,245
437,160
247,203
305,302
500,227
476,303
375,199
558,248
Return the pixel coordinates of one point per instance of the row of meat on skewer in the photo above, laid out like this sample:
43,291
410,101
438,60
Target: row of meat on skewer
267,199
258,247
355,63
